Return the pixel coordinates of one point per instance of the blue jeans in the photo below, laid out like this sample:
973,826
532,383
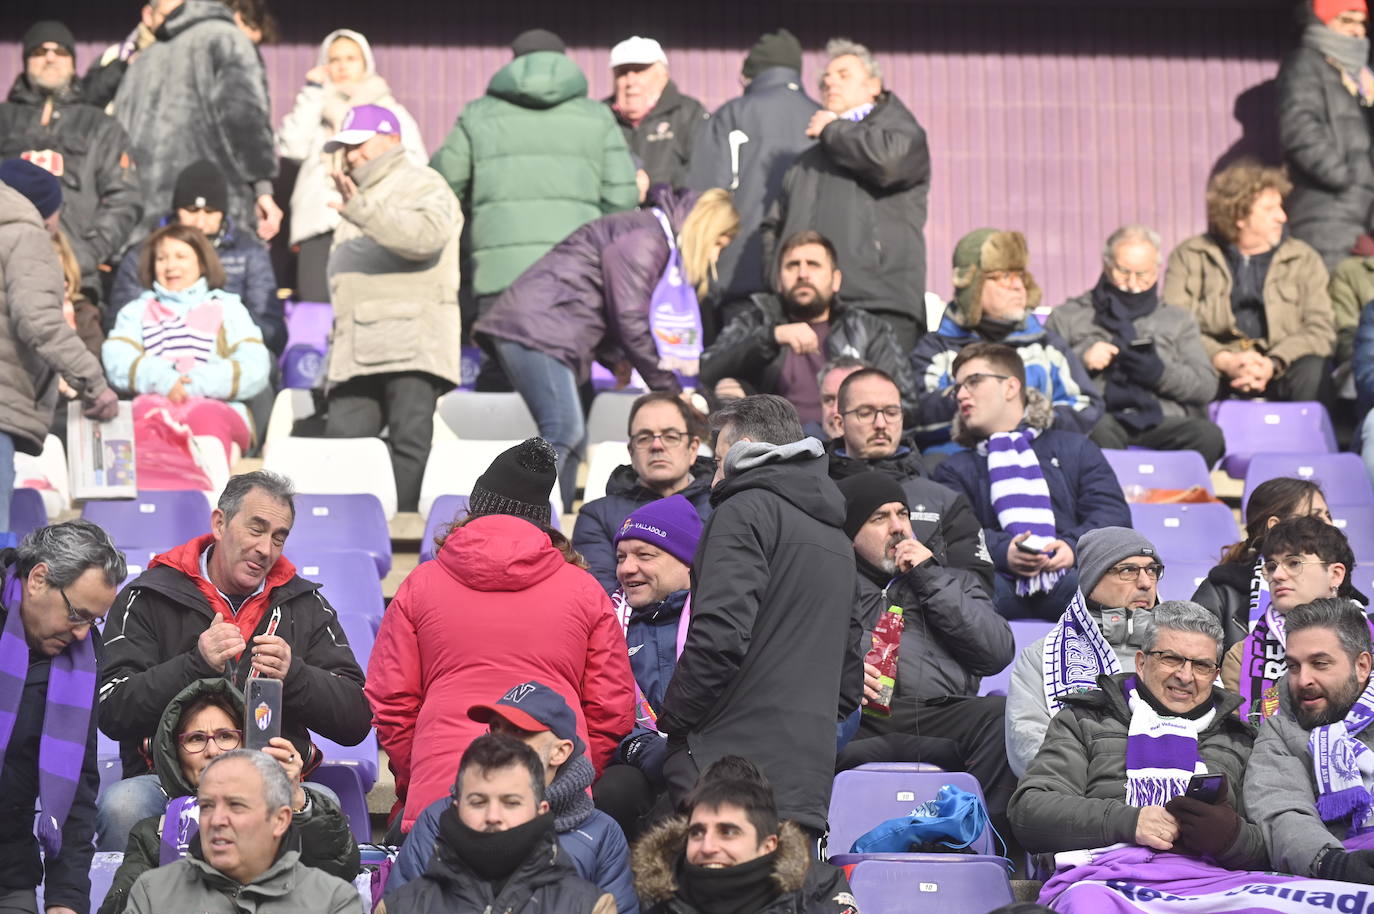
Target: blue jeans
6,479
549,389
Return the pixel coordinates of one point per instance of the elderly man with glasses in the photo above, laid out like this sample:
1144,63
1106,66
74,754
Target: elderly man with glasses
1117,760
1126,336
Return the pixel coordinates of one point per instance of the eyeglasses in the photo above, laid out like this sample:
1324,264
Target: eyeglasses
971,382
1207,669
58,51
1005,277
871,413
197,741
1128,574
1291,566
1149,274
645,440
79,617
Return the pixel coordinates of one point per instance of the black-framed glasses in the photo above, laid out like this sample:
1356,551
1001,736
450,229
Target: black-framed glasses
1130,573
80,616
645,440
58,51
971,382
871,413
1292,565
1173,663
197,741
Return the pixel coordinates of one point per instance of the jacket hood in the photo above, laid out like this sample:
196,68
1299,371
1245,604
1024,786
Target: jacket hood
797,473
1109,696
676,203
193,13
538,80
655,858
164,752
16,208
500,552
625,483
186,559
359,38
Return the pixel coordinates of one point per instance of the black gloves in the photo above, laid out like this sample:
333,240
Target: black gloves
1346,866
1205,829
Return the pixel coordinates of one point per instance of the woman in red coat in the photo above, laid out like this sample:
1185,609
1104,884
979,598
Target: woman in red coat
503,602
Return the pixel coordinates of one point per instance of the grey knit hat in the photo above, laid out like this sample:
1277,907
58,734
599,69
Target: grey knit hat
1100,549
518,482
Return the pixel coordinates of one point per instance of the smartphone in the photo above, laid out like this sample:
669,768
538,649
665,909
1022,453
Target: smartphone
1035,545
1206,787
262,712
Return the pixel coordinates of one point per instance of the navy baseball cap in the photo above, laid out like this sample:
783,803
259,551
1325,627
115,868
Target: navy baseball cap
534,707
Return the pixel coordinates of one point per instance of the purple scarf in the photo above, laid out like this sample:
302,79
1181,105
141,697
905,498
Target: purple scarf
1261,665
66,716
1161,752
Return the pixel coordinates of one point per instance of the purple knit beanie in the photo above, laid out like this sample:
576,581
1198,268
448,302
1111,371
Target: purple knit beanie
670,524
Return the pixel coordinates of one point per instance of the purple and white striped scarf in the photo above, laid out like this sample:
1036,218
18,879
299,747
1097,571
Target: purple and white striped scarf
1344,766
1021,497
66,716
1075,654
1161,752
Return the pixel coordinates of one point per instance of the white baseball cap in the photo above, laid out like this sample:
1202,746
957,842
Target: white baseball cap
637,50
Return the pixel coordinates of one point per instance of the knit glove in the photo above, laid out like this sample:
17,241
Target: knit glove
647,752
1346,866
1204,829
1143,366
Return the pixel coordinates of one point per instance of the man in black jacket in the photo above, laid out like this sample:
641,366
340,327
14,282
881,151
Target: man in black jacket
746,147
658,121
871,441
864,186
47,121
772,653
224,604
778,344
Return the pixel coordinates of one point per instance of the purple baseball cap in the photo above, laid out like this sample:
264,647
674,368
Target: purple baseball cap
361,124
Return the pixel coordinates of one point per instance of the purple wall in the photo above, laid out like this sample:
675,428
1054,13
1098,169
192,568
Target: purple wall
1062,119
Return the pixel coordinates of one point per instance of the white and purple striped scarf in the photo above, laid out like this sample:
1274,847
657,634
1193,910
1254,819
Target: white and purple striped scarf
66,716
1075,654
1021,497
1161,752
1344,766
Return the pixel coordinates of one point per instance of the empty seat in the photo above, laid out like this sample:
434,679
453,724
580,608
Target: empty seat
444,511
347,578
487,416
351,771
863,799
1186,533
930,883
1158,469
1182,579
1343,476
453,468
136,560
603,460
1357,522
159,520
609,417
48,474
289,406
104,865
1254,426
1024,632
27,512
334,523
335,466
309,323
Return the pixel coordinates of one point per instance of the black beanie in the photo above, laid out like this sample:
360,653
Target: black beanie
49,30
518,482
201,184
532,40
35,182
774,49
864,494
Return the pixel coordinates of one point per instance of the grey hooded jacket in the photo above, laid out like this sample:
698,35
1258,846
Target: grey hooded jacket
287,887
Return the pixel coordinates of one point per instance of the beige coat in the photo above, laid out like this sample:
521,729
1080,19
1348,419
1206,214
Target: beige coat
393,274
1296,303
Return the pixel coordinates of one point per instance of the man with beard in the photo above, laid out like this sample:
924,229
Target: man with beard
1125,337
778,343
1309,777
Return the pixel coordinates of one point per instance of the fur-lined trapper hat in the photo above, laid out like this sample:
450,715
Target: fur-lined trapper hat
656,855
980,252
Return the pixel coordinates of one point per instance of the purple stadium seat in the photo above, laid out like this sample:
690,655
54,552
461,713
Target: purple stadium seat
1342,476
348,580
27,513
907,767
1186,533
1181,579
1024,632
1158,469
334,523
351,771
1254,426
932,883
1357,522
103,868
158,520
445,509
863,799
309,323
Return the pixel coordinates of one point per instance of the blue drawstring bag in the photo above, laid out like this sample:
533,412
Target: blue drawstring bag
950,822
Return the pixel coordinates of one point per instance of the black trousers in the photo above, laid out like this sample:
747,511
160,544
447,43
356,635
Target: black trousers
312,268
401,402
627,795
1178,433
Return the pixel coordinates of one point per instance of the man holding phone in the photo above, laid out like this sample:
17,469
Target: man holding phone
1118,761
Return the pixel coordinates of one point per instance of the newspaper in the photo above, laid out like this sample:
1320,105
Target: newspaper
100,455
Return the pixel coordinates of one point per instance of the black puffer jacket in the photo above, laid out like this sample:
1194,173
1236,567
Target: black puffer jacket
747,351
864,186
1325,135
663,140
101,202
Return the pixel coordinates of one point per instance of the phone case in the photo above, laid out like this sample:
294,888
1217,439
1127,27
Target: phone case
262,712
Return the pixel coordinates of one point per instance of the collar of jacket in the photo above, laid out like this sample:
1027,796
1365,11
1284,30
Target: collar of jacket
1211,248
775,78
670,99
546,864
277,880
655,857
371,173
775,309
625,482
226,238
186,559
193,13
1109,698
24,92
1030,331
666,610
904,463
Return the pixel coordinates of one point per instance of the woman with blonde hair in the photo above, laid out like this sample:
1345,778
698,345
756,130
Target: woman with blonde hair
602,293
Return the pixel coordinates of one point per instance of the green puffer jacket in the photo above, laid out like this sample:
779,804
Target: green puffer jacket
532,160
326,840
